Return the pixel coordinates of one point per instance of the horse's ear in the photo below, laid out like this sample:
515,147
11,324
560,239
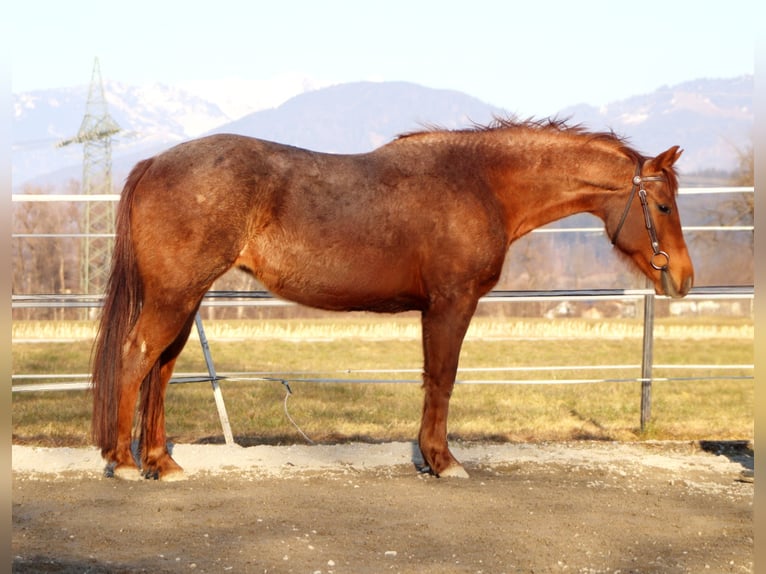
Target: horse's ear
666,159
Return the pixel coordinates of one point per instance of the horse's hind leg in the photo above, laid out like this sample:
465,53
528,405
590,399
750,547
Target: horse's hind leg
156,461
154,332
444,326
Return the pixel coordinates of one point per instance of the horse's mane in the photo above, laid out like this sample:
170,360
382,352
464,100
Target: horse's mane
546,125
553,125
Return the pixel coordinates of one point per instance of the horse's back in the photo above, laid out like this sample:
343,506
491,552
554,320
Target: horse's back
326,230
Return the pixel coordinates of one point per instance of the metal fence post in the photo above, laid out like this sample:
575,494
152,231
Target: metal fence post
222,414
646,361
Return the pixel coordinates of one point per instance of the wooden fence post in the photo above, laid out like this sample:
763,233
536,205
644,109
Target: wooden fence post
646,361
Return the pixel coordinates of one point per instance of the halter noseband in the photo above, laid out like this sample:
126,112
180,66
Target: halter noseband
638,184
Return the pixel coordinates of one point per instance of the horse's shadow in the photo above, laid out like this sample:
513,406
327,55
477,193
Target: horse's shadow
738,451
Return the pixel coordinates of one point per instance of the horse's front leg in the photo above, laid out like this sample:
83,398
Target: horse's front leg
444,326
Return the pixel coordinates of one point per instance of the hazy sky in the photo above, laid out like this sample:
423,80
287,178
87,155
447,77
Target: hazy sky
530,57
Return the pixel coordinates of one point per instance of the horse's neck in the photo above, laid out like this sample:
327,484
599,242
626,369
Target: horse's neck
543,184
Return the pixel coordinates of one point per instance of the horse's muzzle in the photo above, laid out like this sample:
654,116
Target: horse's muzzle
669,286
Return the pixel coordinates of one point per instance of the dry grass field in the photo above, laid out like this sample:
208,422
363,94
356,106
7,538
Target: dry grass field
516,361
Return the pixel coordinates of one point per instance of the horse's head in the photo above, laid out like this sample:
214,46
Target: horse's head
646,227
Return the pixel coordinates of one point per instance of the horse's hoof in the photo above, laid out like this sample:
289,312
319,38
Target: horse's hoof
125,472
453,471
173,475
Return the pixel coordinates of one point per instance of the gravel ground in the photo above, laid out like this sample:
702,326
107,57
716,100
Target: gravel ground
560,507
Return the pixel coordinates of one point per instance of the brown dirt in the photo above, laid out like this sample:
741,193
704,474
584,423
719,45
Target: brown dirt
575,507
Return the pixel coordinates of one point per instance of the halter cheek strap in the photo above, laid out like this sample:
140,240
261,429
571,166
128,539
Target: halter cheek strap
660,259
627,205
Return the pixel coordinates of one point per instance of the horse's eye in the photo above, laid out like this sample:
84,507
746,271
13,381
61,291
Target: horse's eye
664,208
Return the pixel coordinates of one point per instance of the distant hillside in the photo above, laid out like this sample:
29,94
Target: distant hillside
358,117
151,117
710,119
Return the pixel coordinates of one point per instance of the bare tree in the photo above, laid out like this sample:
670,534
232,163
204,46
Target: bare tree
45,264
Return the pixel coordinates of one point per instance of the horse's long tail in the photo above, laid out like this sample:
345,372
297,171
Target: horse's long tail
122,306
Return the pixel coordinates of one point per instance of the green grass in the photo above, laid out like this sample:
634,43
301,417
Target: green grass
704,408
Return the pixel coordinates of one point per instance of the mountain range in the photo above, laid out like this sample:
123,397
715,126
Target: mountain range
712,119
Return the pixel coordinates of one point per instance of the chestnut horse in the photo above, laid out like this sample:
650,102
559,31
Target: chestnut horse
422,223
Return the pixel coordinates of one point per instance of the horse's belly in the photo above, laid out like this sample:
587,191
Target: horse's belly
334,300
343,283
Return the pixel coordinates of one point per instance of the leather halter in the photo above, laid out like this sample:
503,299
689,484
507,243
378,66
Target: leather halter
638,185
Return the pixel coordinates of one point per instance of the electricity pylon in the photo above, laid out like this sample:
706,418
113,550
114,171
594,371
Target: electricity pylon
96,131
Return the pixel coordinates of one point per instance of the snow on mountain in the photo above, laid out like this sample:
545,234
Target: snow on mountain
152,118
238,97
162,111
